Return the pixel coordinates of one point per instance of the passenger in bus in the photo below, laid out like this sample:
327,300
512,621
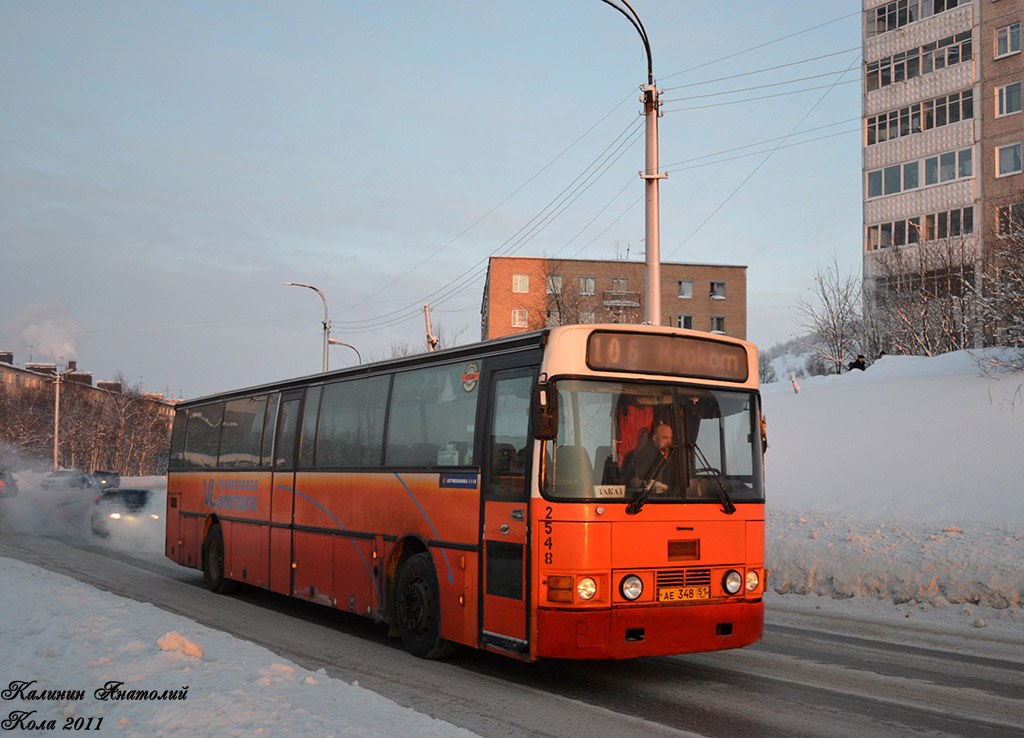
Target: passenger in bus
642,460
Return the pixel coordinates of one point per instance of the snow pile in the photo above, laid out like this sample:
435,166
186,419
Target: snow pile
902,483
79,655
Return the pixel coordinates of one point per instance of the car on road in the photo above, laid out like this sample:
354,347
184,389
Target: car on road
121,509
106,479
8,487
66,479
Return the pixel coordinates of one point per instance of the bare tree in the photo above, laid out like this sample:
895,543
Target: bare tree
1000,297
923,300
831,314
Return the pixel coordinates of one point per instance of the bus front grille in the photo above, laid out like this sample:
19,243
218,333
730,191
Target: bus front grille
683,578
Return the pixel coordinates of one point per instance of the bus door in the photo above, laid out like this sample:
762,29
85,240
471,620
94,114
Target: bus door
282,491
505,493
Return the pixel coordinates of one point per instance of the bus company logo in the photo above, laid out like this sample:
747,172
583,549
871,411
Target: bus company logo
470,377
457,481
219,501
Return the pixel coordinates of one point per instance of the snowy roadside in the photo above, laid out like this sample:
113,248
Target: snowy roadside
82,659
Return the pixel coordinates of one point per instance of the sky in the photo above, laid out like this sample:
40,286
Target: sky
165,167
872,522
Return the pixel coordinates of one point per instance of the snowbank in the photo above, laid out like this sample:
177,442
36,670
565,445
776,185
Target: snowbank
901,484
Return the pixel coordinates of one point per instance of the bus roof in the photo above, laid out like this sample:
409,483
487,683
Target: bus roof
568,336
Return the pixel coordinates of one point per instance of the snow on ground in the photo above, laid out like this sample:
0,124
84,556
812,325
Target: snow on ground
145,672
901,489
894,494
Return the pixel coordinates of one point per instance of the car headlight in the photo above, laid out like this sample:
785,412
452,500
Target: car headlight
753,580
586,588
154,516
115,516
631,587
732,581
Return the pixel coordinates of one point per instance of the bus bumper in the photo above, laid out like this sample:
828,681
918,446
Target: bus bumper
625,633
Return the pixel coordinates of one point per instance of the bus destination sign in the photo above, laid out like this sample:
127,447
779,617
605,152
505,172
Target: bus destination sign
650,353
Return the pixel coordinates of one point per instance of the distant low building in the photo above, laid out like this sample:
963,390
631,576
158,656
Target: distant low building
39,375
528,293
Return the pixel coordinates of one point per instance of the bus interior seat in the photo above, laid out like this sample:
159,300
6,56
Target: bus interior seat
501,458
573,472
605,465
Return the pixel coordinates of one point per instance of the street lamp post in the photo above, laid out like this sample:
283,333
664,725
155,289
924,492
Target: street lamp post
327,322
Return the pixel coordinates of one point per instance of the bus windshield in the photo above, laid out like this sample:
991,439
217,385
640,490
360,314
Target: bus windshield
684,443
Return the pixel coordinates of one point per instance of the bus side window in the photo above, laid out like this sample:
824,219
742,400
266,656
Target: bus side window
508,437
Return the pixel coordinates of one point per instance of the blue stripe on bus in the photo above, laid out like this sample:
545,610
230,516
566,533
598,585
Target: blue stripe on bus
342,527
451,579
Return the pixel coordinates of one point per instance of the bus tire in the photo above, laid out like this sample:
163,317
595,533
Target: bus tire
214,575
418,609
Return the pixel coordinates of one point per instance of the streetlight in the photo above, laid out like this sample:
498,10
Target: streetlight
342,343
327,322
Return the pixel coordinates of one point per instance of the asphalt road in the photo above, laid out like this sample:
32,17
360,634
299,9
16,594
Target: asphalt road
812,675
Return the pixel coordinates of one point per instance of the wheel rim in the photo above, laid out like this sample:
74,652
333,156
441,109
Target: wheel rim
415,609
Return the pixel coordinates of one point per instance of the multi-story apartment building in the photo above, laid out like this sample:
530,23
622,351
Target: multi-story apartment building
526,293
943,133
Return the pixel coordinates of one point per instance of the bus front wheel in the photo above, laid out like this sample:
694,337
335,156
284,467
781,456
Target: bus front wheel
418,609
213,563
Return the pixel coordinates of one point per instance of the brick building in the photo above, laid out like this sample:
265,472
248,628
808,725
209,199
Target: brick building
527,293
38,376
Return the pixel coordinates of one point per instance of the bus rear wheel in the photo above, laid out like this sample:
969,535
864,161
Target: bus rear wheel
213,563
418,609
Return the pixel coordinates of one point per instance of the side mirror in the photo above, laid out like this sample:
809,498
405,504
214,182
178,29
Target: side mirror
544,411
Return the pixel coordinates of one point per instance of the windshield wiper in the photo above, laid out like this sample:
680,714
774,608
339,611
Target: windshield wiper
716,477
651,475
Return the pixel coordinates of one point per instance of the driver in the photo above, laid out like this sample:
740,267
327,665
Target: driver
644,458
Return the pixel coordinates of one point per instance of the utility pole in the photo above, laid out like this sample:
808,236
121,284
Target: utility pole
56,418
652,226
652,229
432,340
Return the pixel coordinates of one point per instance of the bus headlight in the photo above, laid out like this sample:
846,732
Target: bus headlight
753,580
732,581
586,588
631,587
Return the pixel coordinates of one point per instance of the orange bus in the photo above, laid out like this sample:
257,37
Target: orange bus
581,492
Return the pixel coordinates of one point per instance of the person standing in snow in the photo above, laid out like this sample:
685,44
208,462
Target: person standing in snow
858,364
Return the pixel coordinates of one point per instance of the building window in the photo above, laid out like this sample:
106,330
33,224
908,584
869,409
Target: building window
718,324
1008,160
520,318
686,289
945,167
1008,99
588,316
955,222
1010,219
520,282
554,285
620,284
918,61
587,285
1008,40
684,321
718,290
899,13
875,183
553,318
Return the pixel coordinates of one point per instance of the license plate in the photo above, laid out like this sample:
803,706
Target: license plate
684,594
